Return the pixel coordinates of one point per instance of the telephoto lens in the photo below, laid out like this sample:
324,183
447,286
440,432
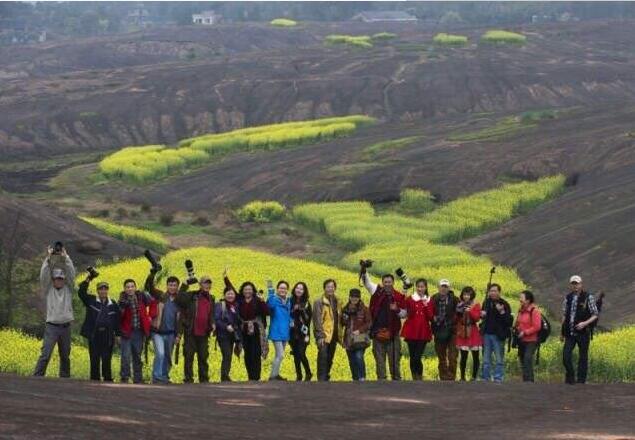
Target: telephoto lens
156,267
189,266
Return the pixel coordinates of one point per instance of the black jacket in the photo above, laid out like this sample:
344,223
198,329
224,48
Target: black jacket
94,307
496,323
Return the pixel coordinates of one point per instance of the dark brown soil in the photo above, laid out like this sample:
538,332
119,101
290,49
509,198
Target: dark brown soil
65,409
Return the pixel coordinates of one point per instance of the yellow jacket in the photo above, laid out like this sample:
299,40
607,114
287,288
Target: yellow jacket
323,320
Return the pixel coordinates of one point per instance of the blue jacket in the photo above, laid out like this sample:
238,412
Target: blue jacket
280,322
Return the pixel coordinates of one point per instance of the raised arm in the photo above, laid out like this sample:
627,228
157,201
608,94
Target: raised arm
370,286
70,271
82,292
45,274
151,288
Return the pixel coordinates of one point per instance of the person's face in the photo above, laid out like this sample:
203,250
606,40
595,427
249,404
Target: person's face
387,282
299,291
422,289
329,289
466,297
130,288
103,293
354,300
58,283
173,286
443,290
494,293
283,290
230,296
523,300
248,291
206,286
576,287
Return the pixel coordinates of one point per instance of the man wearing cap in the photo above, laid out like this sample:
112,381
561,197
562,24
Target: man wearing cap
444,305
197,320
579,312
100,328
57,285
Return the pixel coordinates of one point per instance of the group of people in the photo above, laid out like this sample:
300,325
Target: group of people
244,322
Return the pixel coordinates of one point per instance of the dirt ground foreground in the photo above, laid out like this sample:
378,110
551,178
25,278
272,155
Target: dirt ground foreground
68,409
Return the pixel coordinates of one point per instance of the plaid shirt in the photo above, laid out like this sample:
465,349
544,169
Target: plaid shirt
593,308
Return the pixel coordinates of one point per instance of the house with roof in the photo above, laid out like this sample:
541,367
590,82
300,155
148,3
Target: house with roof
206,18
383,16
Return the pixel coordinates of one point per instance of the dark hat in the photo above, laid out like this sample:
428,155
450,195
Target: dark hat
355,293
102,285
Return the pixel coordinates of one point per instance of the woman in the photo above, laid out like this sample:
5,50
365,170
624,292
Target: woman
468,336
301,322
228,329
253,312
280,310
416,329
356,321
527,327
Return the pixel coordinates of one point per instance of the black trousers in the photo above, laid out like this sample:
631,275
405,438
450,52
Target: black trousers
253,355
415,351
526,352
475,363
199,346
326,353
298,347
227,350
100,352
582,340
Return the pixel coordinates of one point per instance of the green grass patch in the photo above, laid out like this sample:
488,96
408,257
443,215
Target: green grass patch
359,41
261,212
283,22
130,234
383,36
414,200
444,39
374,150
503,37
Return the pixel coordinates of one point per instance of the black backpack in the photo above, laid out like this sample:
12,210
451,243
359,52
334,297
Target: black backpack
545,329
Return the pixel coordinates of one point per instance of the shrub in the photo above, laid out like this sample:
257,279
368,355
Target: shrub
383,36
419,200
450,40
283,22
385,146
498,36
166,219
261,212
360,41
129,234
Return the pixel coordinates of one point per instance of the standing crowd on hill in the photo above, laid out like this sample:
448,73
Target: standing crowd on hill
244,321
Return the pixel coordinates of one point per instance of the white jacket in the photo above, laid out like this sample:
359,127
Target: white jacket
59,303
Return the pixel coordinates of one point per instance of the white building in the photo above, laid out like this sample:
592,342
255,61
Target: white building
206,18
377,16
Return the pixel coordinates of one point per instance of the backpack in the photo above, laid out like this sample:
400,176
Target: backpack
543,334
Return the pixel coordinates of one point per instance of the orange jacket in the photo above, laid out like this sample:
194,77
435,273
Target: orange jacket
529,322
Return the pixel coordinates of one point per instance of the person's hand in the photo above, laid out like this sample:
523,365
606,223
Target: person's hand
269,284
177,340
483,313
580,326
356,332
321,342
468,308
64,253
500,307
296,307
225,272
49,250
118,341
393,306
230,329
521,334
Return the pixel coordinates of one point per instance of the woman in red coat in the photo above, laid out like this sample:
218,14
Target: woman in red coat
468,336
416,330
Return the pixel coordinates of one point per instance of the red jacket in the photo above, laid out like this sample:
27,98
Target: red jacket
379,304
467,331
529,322
126,314
417,324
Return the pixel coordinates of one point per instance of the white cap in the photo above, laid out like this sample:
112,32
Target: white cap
444,282
575,279
58,274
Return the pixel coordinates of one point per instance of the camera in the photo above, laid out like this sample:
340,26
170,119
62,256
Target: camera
92,273
407,284
191,276
58,246
304,329
156,267
365,264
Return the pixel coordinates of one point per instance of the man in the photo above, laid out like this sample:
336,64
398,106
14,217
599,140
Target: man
387,308
444,307
57,285
496,315
100,328
135,327
579,312
164,326
197,318
326,319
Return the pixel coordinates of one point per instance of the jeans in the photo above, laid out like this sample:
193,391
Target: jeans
492,344
299,358
582,340
163,345
199,346
131,349
415,351
60,335
526,351
391,350
326,353
277,361
357,364
252,353
100,347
